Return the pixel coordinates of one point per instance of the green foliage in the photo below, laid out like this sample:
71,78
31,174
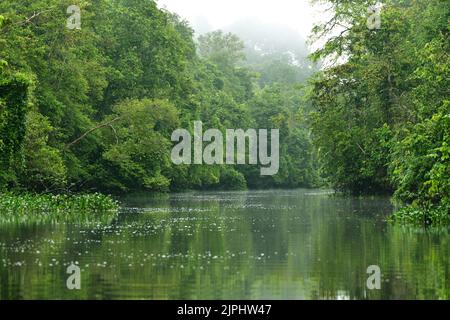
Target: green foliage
98,105
138,144
232,180
381,117
421,162
225,50
44,169
282,107
13,108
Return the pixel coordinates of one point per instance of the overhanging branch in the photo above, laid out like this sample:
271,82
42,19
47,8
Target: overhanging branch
84,135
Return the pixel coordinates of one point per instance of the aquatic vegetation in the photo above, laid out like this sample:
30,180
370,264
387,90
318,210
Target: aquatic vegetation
57,208
416,215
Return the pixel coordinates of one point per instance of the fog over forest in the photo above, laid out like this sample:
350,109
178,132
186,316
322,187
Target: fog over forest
277,48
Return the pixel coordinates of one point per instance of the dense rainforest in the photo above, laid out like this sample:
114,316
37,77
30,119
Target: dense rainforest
381,109
93,108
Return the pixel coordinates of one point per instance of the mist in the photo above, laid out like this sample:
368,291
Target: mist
208,15
275,34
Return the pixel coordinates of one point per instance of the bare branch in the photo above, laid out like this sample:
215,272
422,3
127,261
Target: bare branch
28,20
84,135
360,148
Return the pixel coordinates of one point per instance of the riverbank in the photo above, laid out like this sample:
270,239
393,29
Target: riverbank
97,207
29,207
412,214
422,216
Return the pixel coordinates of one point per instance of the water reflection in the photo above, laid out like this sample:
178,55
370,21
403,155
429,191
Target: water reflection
232,245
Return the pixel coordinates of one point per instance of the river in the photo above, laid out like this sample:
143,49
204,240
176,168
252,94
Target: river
297,244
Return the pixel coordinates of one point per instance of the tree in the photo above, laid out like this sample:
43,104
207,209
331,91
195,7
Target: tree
223,49
380,117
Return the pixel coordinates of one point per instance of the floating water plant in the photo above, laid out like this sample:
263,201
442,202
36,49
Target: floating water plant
415,215
85,208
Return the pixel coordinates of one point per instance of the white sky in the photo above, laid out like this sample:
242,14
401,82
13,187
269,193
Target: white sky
297,14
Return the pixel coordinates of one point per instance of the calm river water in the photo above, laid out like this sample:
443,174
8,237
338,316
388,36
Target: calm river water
300,244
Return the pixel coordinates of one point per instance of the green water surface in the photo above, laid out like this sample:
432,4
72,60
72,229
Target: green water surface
301,244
